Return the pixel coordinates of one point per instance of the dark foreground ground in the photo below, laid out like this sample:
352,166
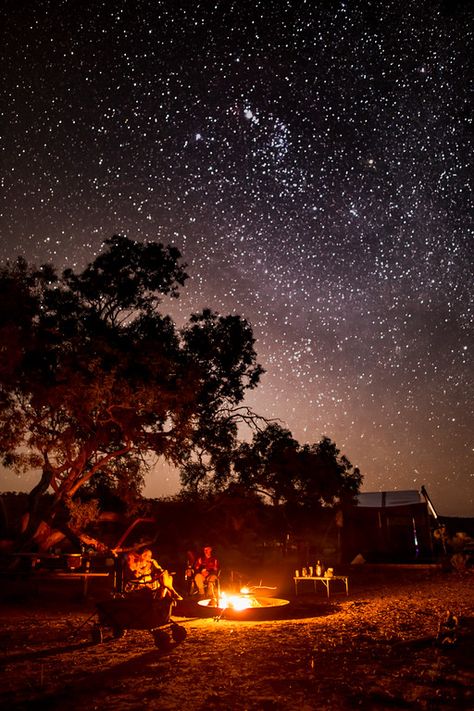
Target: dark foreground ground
372,650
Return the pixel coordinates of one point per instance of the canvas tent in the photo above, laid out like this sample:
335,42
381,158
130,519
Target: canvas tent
389,526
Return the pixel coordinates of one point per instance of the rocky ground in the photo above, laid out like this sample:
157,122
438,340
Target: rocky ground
374,649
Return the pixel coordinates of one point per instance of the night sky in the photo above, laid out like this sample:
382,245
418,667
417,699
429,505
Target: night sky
311,160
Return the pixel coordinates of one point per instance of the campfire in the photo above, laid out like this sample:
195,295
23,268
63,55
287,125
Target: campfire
241,605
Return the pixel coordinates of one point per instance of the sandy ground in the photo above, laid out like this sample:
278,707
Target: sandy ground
374,649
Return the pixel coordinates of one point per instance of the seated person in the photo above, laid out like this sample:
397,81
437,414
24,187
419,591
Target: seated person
206,571
145,571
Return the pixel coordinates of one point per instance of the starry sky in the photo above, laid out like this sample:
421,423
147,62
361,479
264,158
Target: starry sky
312,161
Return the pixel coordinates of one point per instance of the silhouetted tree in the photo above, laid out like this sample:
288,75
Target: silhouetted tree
276,465
269,464
91,373
325,476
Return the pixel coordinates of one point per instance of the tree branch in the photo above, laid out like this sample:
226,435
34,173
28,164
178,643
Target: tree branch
98,465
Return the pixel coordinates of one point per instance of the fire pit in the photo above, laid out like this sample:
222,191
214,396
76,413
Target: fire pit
244,606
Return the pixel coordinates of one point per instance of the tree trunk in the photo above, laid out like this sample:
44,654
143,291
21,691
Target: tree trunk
32,519
39,532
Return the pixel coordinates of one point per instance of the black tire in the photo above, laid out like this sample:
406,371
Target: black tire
118,632
97,634
178,633
162,639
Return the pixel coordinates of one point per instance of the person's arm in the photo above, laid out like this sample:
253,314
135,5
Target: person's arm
157,565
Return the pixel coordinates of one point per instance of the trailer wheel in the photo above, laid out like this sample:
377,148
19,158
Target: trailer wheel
162,639
118,632
178,633
97,634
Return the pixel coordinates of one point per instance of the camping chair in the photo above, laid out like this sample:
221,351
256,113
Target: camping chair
211,586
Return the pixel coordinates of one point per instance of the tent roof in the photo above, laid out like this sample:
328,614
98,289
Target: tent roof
379,499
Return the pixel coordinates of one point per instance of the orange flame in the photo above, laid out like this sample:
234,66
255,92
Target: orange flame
234,602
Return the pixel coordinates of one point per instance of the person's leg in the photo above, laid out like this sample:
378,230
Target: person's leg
199,581
212,588
211,585
166,580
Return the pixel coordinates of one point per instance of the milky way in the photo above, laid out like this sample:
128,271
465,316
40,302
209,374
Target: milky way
312,162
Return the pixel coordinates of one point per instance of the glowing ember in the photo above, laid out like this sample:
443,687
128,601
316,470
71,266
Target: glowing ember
228,601
244,606
234,602
244,601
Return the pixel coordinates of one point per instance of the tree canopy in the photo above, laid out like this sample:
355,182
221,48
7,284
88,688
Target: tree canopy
93,377
309,475
279,469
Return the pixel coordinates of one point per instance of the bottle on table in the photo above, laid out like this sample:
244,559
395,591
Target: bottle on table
318,571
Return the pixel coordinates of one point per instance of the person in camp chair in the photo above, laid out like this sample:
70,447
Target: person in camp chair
146,572
206,573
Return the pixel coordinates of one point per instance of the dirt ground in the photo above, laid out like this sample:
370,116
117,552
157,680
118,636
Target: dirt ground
374,649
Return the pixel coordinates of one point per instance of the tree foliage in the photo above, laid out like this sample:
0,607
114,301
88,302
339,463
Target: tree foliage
269,464
309,475
91,373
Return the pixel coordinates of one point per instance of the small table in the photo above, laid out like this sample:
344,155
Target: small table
83,576
37,573
324,580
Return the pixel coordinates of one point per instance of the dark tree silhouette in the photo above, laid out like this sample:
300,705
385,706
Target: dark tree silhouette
326,476
92,375
269,464
277,466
